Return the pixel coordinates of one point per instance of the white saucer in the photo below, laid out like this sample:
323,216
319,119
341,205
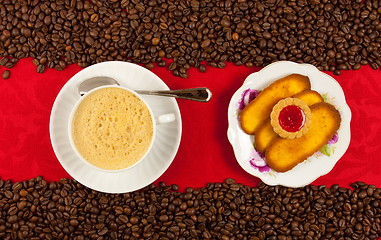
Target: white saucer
316,165
165,145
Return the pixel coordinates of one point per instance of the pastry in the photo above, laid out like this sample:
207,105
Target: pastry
254,114
291,118
265,133
284,154
310,97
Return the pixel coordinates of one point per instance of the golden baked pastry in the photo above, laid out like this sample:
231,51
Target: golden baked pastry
291,118
264,136
265,133
284,154
258,110
310,97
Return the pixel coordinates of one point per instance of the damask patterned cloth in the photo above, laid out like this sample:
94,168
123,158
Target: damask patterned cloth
205,154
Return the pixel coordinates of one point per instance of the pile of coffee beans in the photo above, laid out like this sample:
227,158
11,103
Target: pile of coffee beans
333,35
35,209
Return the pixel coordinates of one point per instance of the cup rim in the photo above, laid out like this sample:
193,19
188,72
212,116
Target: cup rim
70,123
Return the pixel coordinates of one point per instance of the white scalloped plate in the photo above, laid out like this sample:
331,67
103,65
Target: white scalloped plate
165,145
316,165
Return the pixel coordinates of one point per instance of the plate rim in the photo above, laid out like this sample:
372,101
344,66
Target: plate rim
155,78
232,108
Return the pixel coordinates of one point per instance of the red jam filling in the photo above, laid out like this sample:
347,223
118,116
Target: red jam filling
291,118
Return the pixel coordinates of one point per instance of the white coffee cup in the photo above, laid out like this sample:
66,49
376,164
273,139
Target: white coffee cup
88,137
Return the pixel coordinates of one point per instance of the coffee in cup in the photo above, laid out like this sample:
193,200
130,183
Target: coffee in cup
112,128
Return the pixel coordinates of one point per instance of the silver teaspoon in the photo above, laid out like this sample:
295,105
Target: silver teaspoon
201,94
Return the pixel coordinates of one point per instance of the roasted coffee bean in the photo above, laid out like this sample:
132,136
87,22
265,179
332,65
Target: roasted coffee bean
172,66
23,192
337,72
201,67
155,41
6,74
357,66
40,68
374,66
332,35
149,65
9,65
3,61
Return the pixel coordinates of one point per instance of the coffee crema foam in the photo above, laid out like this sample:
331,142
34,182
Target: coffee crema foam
112,128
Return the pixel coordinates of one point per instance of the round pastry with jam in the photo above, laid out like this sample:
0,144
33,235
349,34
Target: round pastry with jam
291,118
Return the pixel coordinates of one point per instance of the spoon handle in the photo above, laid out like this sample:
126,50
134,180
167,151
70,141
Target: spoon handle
197,94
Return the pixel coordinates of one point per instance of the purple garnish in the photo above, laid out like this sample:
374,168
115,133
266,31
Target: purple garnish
334,139
261,169
247,96
257,161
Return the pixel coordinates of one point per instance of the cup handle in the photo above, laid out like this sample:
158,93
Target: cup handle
165,118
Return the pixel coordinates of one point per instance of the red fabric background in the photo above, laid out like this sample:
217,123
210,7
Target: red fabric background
205,154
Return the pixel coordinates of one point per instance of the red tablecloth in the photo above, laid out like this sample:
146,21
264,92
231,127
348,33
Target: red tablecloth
205,153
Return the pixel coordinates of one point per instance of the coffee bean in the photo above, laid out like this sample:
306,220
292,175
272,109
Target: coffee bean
162,63
89,40
205,43
374,66
267,35
40,68
202,68
9,65
134,220
3,61
6,74
163,218
235,36
221,65
279,45
149,65
337,72
225,22
23,192
357,66
21,205
12,219
155,41
172,66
